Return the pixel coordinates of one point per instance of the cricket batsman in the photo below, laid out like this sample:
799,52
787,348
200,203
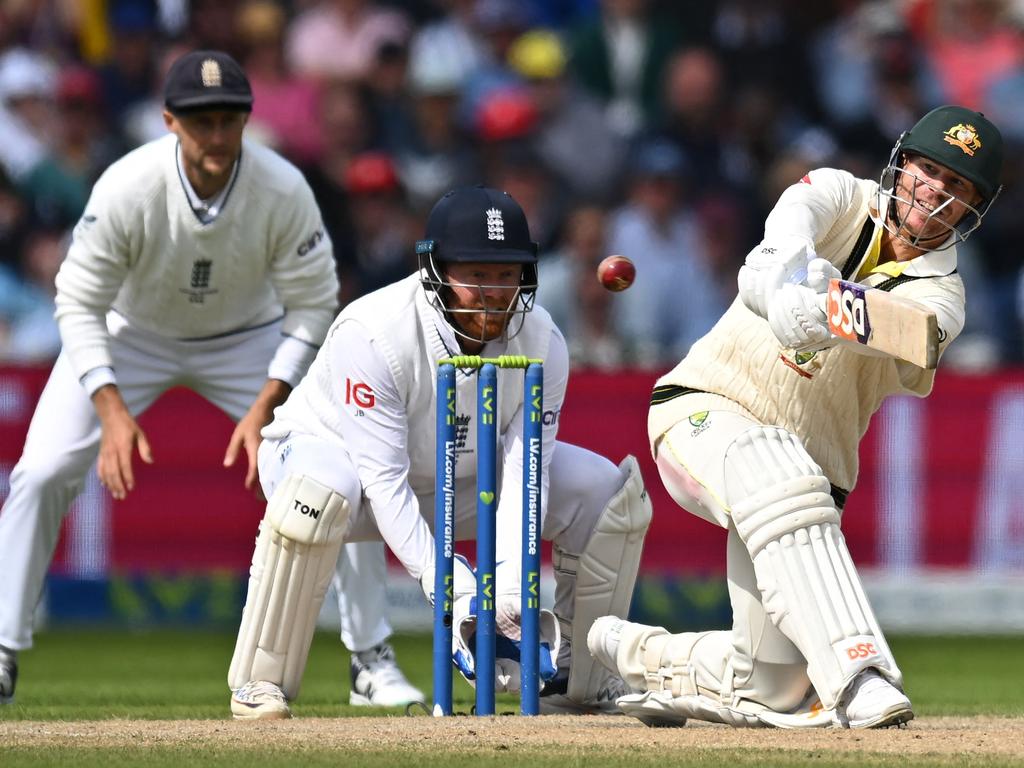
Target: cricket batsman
757,429
351,457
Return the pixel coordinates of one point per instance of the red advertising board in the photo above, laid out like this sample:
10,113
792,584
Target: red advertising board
942,481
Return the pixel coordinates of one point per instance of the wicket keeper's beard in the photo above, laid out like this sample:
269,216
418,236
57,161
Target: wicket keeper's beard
484,320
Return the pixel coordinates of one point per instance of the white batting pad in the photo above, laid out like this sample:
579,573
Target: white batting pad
605,574
784,513
296,550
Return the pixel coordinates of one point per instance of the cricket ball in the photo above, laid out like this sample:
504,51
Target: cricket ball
616,273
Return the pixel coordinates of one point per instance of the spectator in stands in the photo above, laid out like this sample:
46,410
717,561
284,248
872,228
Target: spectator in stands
620,57
515,167
436,156
578,303
573,138
345,123
385,232
674,300
28,332
27,86
693,108
286,108
340,38
15,223
82,146
211,24
129,77
969,44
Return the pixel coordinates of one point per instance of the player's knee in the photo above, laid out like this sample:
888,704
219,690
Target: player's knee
774,488
307,511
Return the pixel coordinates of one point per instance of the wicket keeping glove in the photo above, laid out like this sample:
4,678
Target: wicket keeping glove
508,643
464,582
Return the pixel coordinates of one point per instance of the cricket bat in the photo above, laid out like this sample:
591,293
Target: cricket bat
879,320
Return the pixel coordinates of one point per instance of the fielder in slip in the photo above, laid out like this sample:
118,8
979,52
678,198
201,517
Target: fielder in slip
351,457
756,430
201,261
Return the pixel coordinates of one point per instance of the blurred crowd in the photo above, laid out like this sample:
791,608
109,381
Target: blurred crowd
664,131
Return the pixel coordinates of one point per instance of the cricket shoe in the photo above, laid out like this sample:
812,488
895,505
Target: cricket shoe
259,700
555,701
377,680
8,674
873,702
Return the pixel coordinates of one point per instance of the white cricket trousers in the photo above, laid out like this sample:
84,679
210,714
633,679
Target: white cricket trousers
63,441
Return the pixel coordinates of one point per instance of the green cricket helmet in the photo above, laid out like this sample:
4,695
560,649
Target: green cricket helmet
957,138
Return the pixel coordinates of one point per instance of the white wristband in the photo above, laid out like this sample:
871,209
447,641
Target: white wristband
291,360
96,378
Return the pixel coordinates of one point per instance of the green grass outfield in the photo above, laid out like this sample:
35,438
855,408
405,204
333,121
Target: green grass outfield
91,675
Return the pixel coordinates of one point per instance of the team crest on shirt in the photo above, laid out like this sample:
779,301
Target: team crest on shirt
803,363
495,224
700,421
199,282
965,136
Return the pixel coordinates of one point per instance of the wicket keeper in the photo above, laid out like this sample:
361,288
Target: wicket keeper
351,457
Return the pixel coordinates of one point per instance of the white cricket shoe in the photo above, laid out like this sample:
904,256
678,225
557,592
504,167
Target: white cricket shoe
603,640
259,700
377,680
873,702
8,674
601,703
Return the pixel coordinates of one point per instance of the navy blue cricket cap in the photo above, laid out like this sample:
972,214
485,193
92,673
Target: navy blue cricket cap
478,224
203,80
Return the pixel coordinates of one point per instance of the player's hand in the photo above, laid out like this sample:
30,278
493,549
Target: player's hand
797,319
119,435
465,580
508,642
247,432
246,436
819,272
768,267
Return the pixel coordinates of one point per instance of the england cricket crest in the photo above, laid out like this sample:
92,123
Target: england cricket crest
495,224
199,282
210,73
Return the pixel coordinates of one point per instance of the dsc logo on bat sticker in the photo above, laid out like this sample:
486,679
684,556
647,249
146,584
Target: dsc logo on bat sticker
847,311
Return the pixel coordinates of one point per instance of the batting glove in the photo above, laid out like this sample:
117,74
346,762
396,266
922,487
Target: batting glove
768,267
819,272
797,319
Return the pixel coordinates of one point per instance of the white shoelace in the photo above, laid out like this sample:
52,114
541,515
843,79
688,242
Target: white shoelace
255,689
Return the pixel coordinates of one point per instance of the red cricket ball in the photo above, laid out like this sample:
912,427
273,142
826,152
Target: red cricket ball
616,273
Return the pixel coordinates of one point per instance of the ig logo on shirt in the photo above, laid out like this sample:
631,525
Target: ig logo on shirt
359,394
